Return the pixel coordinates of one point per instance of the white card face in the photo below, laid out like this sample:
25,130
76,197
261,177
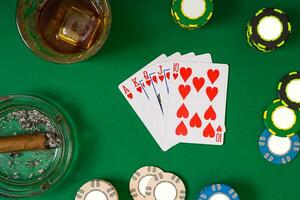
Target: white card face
159,95
153,72
196,109
173,67
148,74
188,55
135,93
158,76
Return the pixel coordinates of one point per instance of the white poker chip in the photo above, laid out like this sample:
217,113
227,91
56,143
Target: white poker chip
97,190
140,179
165,186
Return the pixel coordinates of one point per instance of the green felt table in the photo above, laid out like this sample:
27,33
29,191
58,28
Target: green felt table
112,141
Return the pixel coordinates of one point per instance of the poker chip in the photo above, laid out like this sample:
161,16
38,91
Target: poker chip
278,150
165,186
97,189
269,29
253,44
140,180
218,192
288,90
281,120
192,14
249,35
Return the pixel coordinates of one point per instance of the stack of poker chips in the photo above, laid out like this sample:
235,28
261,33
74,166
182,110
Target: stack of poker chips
152,183
192,14
279,143
268,30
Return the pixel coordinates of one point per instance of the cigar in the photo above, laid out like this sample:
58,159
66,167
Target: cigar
29,142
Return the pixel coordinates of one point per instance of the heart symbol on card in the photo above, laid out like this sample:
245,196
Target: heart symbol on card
139,89
161,77
211,92
168,75
182,112
130,95
185,73
210,114
195,121
198,83
154,79
175,75
213,75
184,90
219,129
181,129
148,82
209,131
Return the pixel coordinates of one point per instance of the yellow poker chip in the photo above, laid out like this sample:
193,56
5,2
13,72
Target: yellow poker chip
97,189
165,186
140,179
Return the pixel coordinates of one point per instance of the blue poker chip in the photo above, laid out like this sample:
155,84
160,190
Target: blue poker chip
218,191
278,150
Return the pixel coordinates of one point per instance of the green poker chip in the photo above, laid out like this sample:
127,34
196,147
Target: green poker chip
269,29
289,90
192,14
281,120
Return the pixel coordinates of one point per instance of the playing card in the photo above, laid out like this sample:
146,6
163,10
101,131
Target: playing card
148,77
158,94
135,93
160,75
173,67
188,55
197,102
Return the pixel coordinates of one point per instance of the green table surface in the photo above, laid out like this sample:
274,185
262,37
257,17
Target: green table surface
112,141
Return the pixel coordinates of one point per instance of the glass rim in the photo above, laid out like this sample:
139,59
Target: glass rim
65,58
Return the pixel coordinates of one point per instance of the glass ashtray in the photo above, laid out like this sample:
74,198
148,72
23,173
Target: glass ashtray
64,31
29,173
